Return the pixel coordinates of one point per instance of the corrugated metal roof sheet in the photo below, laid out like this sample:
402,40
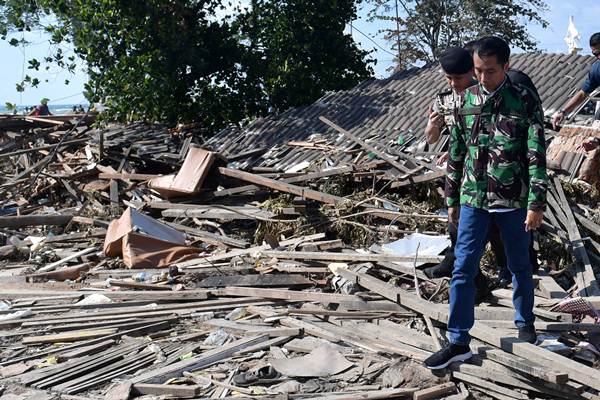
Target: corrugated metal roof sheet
386,108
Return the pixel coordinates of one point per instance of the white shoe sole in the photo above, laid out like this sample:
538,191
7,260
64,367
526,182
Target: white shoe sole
458,358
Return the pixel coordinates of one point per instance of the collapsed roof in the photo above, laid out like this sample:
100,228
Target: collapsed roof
382,110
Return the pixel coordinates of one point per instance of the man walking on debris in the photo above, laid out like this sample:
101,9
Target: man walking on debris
591,83
457,65
496,172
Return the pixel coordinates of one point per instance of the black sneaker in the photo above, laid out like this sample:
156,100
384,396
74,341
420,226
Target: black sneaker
448,355
527,334
442,270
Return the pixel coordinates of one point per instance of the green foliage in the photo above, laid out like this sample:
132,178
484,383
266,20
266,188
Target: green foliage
300,49
423,29
194,60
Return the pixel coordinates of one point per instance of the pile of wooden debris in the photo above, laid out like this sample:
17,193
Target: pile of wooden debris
136,264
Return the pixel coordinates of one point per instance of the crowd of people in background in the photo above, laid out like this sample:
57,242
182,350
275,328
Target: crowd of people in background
42,109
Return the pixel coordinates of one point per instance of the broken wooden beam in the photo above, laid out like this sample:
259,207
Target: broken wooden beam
296,179
349,257
367,146
21,221
282,186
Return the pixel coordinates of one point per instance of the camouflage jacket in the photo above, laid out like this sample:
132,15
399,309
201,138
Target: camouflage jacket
497,154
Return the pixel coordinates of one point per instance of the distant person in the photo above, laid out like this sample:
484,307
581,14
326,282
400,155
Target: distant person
74,110
80,109
591,83
42,109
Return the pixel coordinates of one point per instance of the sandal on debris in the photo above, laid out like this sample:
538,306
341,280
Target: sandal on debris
262,375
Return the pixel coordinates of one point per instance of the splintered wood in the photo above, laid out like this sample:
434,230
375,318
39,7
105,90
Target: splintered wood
138,262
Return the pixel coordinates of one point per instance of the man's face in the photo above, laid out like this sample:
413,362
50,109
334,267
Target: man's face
460,82
596,51
489,72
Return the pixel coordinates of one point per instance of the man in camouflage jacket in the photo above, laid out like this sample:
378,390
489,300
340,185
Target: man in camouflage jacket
496,172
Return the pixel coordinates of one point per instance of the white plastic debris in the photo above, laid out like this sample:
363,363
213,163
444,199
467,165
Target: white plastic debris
237,313
298,167
4,306
93,299
428,245
16,315
216,338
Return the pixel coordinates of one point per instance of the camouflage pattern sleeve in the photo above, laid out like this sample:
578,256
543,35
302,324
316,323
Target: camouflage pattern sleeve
536,157
457,151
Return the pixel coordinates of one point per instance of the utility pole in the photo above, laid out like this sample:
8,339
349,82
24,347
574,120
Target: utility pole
398,32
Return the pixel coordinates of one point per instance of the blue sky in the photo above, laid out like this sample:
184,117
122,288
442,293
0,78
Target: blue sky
585,13
550,39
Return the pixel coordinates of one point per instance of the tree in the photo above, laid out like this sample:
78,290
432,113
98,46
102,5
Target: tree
427,27
301,49
193,60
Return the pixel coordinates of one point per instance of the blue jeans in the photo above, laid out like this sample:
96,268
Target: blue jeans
472,233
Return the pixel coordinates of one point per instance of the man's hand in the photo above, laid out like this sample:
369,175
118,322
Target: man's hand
533,220
443,158
453,215
436,119
557,118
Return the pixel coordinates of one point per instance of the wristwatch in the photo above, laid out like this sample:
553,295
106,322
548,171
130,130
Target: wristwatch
563,111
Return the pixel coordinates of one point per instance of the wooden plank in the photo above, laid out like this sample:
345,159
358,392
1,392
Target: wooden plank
143,311
296,179
138,285
27,294
548,286
588,224
131,332
411,180
128,364
51,121
365,145
21,221
282,186
435,392
282,294
209,237
68,336
74,256
358,337
585,277
502,375
522,365
255,281
489,385
360,395
125,176
577,371
121,391
47,147
205,359
218,212
549,326
351,257
175,391
209,261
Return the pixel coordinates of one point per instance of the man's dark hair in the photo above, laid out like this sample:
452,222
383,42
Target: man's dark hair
595,40
456,60
470,46
493,46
